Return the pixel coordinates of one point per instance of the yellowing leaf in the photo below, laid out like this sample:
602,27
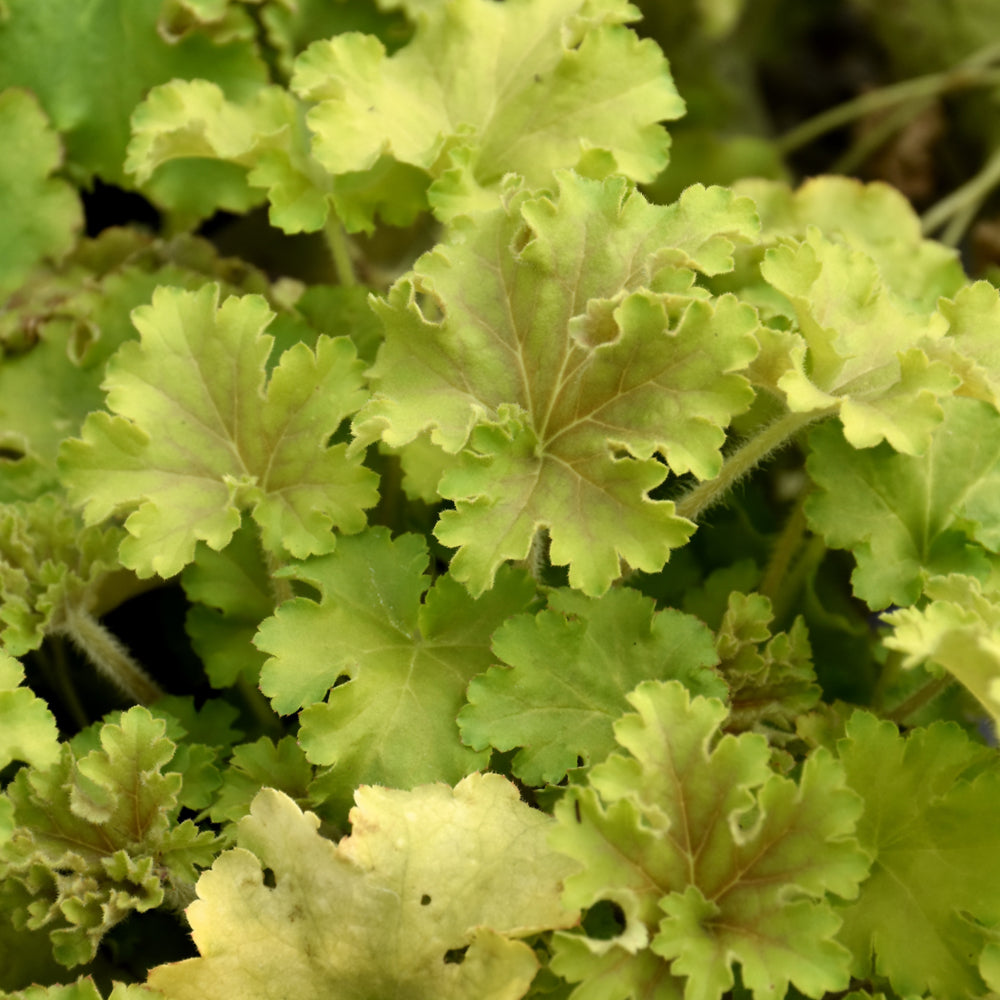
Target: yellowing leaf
424,899
196,437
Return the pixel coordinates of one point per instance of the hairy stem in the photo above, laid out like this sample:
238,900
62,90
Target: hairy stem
746,458
109,656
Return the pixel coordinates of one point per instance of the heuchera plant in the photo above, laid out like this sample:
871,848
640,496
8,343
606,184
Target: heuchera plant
584,597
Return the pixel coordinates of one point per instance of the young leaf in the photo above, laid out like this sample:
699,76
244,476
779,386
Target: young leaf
569,670
712,858
96,838
195,437
467,102
42,215
908,517
772,685
392,656
874,218
49,565
559,375
860,350
932,824
957,630
424,899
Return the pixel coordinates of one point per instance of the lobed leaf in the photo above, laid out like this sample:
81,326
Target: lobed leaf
27,727
858,349
426,897
908,517
89,91
195,438
956,630
568,671
95,838
930,823
712,858
467,102
391,654
558,375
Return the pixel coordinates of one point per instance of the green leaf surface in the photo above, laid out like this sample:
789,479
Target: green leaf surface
907,517
391,653
42,214
581,374
568,671
467,102
27,727
712,858
89,90
195,438
424,874
931,822
96,837
231,595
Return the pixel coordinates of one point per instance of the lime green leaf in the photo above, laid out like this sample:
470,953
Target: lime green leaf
558,375
569,669
231,595
89,91
426,874
96,838
971,349
403,655
957,630
65,322
50,565
264,135
187,460
42,215
932,824
27,728
874,218
771,678
909,517
861,348
712,858
467,102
